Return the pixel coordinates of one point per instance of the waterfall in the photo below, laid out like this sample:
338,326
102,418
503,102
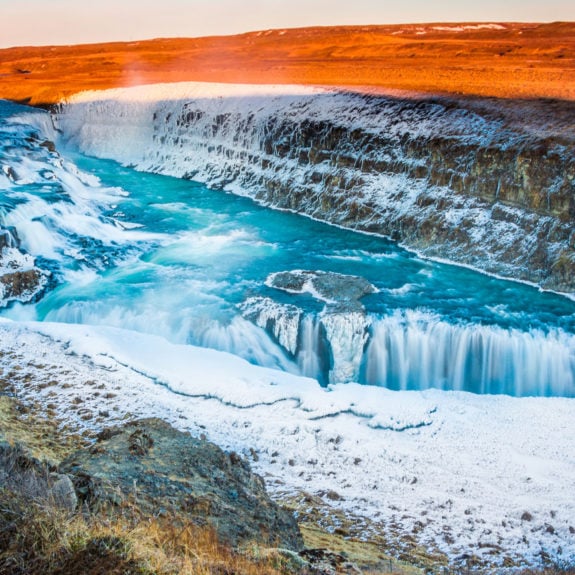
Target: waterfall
242,338
410,350
418,351
303,149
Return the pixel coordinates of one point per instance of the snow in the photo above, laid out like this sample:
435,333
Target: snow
13,259
423,30
307,285
283,319
457,463
469,27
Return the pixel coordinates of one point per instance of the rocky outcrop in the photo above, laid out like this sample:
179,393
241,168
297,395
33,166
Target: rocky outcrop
36,495
483,183
168,472
340,292
20,279
329,345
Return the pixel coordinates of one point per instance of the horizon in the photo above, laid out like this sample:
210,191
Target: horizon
65,22
280,29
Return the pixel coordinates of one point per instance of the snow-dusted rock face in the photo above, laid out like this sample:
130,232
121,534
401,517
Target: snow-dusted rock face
282,321
442,177
20,279
340,292
328,346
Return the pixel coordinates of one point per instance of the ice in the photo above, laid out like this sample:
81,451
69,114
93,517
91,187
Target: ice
282,320
347,334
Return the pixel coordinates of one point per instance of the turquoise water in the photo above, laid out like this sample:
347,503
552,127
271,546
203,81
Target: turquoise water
429,324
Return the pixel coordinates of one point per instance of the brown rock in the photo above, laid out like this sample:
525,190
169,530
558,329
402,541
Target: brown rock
165,471
22,284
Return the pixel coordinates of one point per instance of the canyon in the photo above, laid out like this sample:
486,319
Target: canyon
443,177
136,234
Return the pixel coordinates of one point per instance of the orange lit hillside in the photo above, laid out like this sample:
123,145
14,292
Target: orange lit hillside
505,60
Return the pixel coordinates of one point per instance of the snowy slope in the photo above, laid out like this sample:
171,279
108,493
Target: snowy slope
490,476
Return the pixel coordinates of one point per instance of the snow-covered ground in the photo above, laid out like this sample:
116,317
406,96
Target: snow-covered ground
490,476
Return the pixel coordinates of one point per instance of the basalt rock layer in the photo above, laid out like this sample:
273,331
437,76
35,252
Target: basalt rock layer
476,183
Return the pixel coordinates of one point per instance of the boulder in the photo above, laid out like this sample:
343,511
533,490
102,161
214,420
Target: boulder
340,292
166,472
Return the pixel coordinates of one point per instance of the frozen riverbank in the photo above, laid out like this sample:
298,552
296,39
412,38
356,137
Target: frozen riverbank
482,475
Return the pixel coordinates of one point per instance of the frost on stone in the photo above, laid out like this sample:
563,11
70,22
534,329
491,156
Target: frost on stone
280,320
20,279
328,346
337,290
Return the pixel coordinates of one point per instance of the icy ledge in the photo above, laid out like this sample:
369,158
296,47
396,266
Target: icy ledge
489,476
450,180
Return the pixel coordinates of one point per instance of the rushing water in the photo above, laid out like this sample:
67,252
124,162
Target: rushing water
206,252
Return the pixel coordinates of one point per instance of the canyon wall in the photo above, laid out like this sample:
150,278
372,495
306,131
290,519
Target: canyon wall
480,184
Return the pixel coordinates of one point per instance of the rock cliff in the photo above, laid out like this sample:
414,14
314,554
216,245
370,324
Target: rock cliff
161,472
168,472
481,183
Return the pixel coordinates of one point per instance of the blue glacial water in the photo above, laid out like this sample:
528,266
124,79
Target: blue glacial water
428,325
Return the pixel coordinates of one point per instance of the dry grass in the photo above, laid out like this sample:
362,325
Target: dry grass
37,538
515,61
41,535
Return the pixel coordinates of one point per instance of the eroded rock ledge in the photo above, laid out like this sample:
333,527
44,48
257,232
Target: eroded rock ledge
339,333
20,279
